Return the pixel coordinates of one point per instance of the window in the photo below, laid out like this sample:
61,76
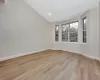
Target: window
57,33
65,29
73,32
84,30
70,32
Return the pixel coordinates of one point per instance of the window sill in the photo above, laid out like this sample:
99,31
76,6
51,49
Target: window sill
71,42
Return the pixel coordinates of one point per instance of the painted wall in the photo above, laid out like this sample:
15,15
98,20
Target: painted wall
22,30
91,48
99,27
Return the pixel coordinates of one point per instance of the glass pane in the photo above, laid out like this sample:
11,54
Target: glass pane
56,37
74,27
74,37
65,28
57,29
65,37
57,33
84,23
84,36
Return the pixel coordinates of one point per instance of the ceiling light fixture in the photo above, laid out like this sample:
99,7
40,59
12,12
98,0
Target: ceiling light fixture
49,14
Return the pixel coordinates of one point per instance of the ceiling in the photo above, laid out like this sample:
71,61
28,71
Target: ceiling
2,1
60,10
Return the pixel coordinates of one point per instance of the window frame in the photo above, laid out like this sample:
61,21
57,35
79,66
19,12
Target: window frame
65,33
83,30
56,33
69,32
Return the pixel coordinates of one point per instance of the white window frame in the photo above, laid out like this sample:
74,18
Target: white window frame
57,33
83,29
65,33
70,32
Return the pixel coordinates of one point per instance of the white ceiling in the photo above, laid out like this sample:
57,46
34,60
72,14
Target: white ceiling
61,9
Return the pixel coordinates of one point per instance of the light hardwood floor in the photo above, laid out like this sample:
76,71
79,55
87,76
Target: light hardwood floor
50,65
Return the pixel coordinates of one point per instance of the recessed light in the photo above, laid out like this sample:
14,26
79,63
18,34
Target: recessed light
49,14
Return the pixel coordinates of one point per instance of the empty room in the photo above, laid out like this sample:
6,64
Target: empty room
49,39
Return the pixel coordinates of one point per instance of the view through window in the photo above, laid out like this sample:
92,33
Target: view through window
70,32
57,33
84,29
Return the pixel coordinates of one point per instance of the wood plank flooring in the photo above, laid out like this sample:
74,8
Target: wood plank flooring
50,65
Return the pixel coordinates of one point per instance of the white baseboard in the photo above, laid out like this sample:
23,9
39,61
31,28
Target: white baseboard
22,54
92,57
33,52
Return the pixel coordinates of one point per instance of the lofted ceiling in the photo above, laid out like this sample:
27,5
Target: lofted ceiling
60,10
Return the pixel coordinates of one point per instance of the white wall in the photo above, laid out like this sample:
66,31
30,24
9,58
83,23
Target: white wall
99,27
91,48
22,30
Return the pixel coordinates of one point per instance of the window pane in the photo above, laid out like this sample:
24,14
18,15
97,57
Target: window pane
73,32
65,37
65,28
84,36
84,29
56,32
73,37
56,37
74,27
57,29
84,23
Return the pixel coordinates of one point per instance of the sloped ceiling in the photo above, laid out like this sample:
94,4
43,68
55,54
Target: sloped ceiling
59,10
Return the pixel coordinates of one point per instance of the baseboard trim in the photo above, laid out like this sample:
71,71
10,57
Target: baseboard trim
36,51
97,58
22,54
92,57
